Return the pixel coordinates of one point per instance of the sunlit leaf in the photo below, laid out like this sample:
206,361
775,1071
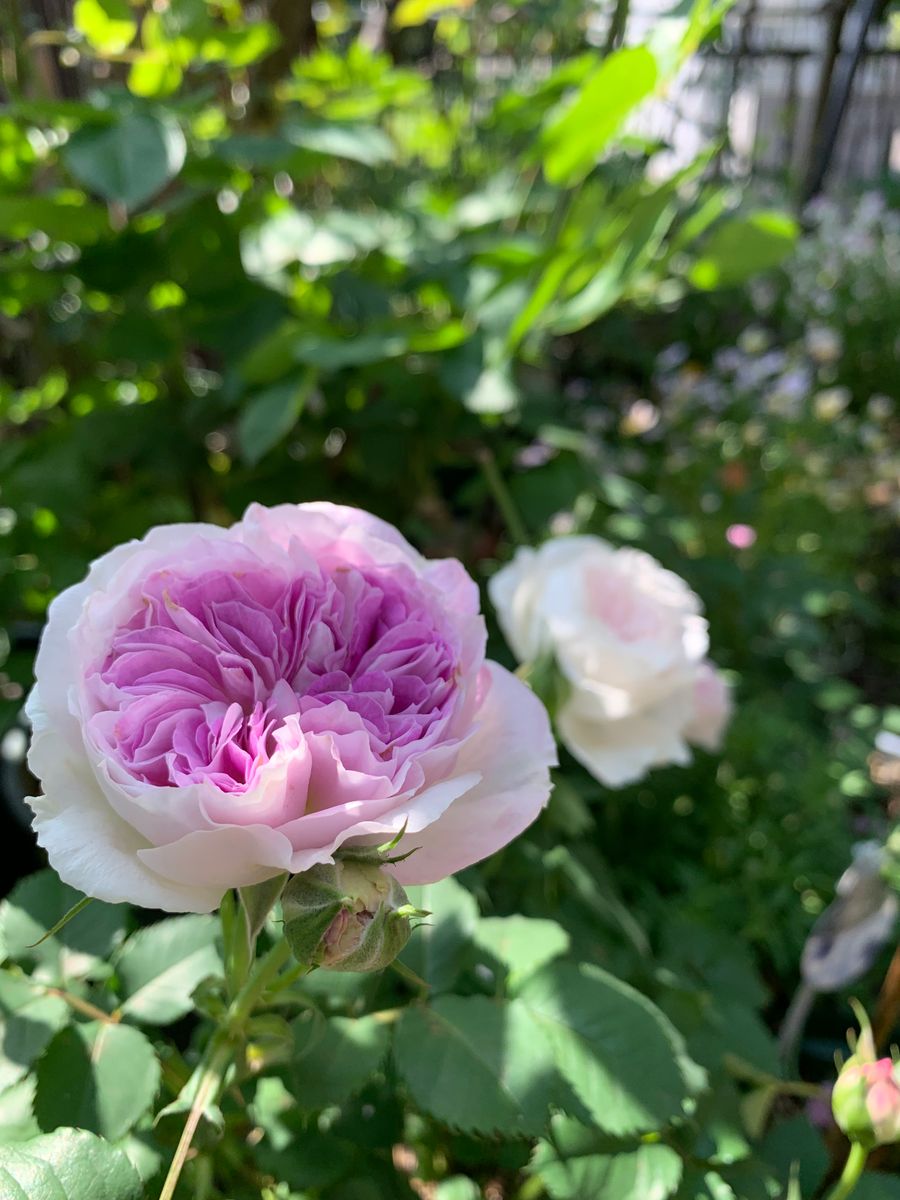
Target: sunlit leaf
576,133
129,161
96,1076
70,1164
417,12
108,26
741,246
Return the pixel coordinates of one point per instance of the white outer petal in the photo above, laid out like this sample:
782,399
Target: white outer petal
621,752
96,852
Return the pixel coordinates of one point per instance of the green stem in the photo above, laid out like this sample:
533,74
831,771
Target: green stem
853,1168
288,979
221,1053
261,976
212,1076
238,942
515,526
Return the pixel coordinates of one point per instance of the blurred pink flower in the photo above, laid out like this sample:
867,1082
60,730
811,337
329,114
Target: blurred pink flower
741,537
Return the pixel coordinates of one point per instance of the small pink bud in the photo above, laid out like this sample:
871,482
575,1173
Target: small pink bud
866,1096
741,537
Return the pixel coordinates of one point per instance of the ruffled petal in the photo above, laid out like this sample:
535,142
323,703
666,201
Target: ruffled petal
514,751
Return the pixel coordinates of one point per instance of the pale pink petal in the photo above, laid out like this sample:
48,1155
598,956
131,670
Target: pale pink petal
514,751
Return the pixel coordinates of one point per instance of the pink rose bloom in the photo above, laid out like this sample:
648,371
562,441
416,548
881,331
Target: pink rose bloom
628,640
216,706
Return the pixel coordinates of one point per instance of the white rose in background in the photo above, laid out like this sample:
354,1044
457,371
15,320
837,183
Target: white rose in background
630,641
712,708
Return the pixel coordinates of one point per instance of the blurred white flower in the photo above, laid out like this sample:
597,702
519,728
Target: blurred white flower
641,417
629,640
673,356
753,340
824,344
831,403
880,408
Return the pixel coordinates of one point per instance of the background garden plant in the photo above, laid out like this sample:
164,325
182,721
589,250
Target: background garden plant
453,296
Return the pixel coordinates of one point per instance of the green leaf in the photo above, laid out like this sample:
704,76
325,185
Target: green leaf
107,25
622,1057
474,1064
576,1163
35,905
28,1020
366,144
20,1174
522,944
876,1185
98,1076
154,73
62,217
242,46
795,1146
589,875
169,1121
746,1181
295,237
719,1122
17,1123
333,1062
313,1159
273,356
159,967
129,161
269,416
458,1187
71,1164
437,949
417,12
580,128
634,247
743,246
542,295
78,907
333,353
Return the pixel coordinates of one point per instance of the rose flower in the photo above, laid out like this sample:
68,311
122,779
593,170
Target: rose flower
628,643
216,706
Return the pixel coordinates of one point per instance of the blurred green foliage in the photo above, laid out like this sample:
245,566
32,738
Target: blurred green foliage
429,267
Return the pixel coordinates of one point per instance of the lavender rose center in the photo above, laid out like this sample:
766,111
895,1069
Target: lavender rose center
213,675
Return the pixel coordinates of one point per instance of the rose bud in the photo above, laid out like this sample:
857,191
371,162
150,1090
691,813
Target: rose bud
349,916
866,1096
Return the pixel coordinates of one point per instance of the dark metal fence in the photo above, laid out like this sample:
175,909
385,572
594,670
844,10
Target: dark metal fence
808,92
